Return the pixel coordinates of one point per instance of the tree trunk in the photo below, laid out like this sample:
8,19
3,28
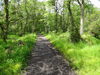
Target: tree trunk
82,18
5,33
74,32
81,3
56,16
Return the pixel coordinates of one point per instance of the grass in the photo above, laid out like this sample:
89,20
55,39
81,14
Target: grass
84,56
14,54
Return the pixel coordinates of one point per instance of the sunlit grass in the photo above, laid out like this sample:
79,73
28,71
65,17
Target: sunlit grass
84,56
14,54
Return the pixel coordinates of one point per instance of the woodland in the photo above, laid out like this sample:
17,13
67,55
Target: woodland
72,26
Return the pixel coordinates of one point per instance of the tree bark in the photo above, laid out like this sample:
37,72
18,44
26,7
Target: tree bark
5,33
56,16
81,3
74,32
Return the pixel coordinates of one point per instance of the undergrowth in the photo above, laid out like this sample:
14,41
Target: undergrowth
84,56
13,55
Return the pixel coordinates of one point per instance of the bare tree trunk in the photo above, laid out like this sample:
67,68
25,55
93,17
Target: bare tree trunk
5,33
26,22
81,3
74,32
63,27
56,16
82,18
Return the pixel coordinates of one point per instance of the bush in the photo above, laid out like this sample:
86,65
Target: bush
94,28
13,55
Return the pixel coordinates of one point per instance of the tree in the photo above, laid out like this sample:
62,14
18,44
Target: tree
5,31
74,32
81,3
54,3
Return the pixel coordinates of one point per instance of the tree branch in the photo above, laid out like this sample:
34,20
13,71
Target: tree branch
79,2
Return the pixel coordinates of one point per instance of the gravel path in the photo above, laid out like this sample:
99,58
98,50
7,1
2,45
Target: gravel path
45,60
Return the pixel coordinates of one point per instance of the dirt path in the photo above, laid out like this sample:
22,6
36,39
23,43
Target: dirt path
47,61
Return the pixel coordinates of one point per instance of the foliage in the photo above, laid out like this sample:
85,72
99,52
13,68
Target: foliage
94,27
20,18
84,56
14,54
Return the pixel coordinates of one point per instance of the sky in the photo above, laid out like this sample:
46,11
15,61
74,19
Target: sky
96,3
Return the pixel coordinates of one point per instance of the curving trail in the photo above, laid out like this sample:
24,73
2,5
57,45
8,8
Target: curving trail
45,60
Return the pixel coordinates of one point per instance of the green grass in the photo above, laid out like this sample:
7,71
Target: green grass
84,56
14,54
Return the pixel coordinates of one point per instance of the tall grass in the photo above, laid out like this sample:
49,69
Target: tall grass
13,55
84,56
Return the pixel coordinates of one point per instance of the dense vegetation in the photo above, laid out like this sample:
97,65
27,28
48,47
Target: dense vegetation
84,56
14,54
73,26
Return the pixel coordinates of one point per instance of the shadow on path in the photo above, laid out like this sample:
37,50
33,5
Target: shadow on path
47,61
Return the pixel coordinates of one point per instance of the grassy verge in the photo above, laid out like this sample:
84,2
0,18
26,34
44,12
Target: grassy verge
13,55
84,56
